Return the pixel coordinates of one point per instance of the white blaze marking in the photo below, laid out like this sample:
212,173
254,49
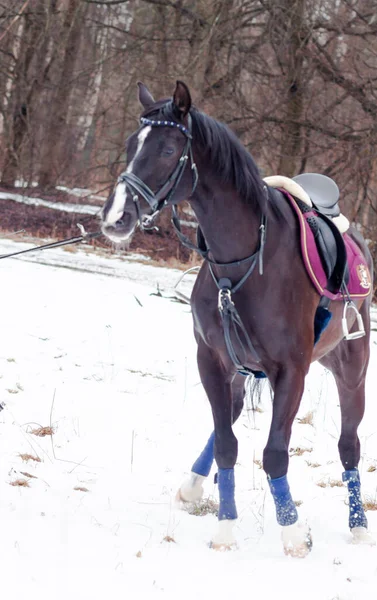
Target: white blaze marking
117,207
119,201
140,142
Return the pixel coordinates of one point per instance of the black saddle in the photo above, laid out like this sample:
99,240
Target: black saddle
331,248
323,192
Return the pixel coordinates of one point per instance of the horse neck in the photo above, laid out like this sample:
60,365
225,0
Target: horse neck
230,226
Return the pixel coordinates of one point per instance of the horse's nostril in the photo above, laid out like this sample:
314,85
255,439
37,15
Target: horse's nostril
119,223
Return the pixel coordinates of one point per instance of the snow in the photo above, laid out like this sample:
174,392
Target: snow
21,183
79,192
85,348
82,209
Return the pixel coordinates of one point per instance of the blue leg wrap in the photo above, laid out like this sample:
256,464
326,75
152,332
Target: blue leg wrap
357,516
286,512
203,464
227,508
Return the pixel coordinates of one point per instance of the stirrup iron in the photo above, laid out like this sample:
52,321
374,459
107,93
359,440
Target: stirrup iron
349,305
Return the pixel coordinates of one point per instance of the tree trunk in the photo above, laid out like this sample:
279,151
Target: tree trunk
55,146
18,97
292,16
29,75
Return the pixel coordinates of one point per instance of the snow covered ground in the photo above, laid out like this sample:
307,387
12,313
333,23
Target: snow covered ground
82,209
87,350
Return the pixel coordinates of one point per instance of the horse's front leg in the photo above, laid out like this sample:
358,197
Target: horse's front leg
191,489
288,389
218,386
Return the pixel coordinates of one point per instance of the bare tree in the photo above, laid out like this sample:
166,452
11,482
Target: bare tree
295,79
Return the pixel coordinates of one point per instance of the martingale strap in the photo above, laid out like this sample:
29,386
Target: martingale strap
229,314
230,317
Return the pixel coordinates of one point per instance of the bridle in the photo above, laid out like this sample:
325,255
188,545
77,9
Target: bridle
163,197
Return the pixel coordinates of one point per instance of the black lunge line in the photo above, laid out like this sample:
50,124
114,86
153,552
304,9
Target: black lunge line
74,240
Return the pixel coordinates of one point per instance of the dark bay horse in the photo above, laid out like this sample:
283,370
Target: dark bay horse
253,303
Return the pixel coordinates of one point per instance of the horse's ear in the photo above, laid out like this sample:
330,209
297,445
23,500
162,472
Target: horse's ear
182,98
145,97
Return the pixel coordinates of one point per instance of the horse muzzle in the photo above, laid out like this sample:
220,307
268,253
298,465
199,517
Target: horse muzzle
121,230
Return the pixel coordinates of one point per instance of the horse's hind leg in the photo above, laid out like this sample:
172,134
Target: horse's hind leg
348,363
191,489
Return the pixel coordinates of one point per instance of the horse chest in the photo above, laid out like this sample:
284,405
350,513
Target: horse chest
207,320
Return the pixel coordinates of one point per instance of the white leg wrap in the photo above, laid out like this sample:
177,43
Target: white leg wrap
191,490
224,538
296,539
360,535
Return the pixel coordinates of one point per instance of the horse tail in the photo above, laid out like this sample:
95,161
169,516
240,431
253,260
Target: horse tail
254,387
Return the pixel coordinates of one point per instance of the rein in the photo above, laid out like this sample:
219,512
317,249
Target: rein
74,240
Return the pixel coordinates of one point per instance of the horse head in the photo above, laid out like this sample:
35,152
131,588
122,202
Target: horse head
157,170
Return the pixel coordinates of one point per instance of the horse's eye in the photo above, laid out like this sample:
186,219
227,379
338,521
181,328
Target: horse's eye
168,151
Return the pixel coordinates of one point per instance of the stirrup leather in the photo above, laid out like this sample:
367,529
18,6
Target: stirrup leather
349,305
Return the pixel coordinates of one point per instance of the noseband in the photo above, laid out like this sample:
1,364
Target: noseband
157,201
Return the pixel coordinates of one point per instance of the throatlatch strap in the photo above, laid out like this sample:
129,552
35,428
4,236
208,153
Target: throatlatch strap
183,238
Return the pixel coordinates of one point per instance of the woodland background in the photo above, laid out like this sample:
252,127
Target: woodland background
295,79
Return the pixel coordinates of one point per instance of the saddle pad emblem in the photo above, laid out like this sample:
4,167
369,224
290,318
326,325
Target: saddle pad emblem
363,275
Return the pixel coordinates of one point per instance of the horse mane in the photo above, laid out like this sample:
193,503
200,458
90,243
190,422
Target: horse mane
229,159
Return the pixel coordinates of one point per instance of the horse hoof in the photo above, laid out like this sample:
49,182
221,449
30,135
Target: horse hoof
191,490
222,547
224,539
297,540
300,551
178,500
360,535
